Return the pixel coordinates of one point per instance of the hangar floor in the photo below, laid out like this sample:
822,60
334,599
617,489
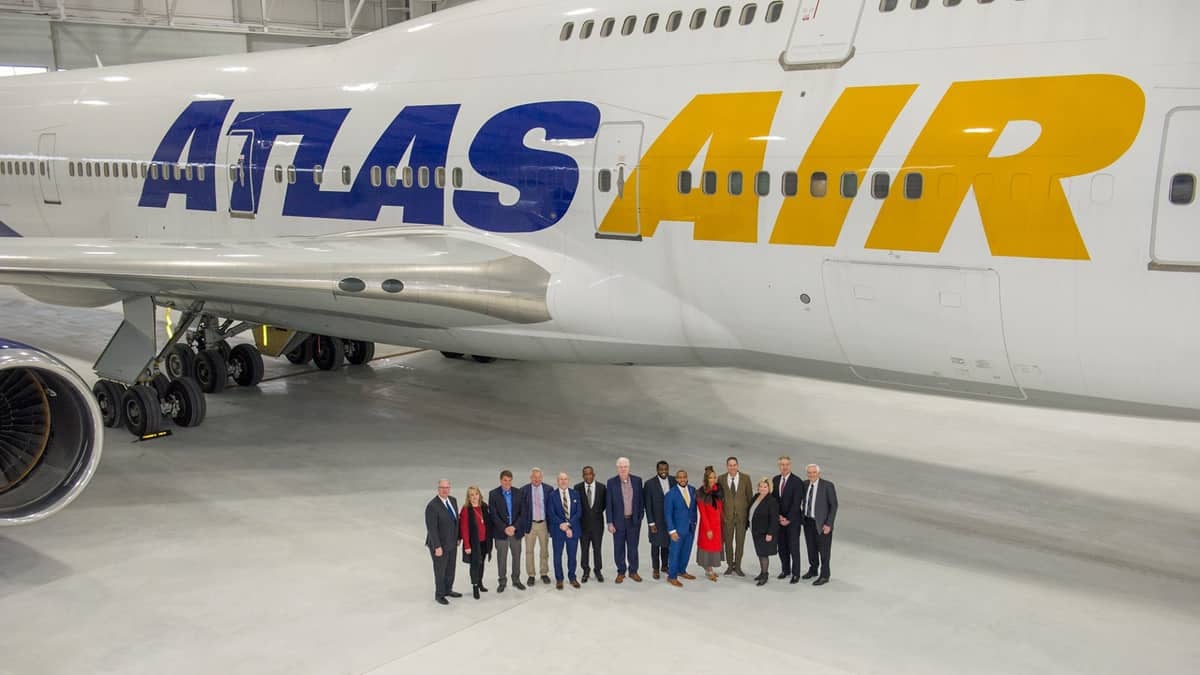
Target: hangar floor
285,535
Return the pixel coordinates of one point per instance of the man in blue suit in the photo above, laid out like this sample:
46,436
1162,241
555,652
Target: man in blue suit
565,514
625,511
680,510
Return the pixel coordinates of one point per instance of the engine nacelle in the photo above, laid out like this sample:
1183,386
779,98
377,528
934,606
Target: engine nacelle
51,434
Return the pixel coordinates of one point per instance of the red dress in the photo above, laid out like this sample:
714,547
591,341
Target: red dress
710,519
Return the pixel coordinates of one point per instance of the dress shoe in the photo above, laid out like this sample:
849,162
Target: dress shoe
558,585
820,582
454,594
728,571
475,592
501,586
762,581
599,577
809,575
545,579
656,575
635,577
619,579
675,583
442,601
574,584
517,584
712,577
795,580
586,576
783,576
687,576
738,571
482,588
531,581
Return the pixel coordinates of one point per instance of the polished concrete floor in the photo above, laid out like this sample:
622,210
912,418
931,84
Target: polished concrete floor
285,535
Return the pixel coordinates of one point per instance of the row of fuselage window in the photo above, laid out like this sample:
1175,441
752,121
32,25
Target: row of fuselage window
735,183
722,17
892,5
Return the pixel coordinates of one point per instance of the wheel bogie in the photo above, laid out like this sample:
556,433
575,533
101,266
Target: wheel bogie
142,410
184,402
211,371
246,365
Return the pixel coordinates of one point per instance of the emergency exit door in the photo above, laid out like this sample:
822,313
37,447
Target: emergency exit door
823,33
47,177
240,158
1177,201
614,181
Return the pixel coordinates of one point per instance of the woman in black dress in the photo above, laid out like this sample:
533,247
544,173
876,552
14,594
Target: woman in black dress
764,527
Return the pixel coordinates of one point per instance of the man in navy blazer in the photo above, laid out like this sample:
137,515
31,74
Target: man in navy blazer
679,509
565,515
536,495
788,488
508,520
624,514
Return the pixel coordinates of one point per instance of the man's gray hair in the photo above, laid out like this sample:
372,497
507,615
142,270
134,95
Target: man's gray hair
813,466
622,459
536,470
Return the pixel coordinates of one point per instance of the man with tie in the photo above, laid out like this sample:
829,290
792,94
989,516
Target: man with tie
441,538
820,509
594,496
624,515
508,512
790,491
738,494
679,514
565,514
657,489
535,495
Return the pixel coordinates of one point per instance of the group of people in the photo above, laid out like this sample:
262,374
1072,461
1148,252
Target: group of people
572,520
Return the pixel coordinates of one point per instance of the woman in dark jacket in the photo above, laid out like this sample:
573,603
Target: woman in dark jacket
476,536
764,527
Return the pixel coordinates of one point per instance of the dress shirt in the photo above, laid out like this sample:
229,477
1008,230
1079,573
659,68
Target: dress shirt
589,491
627,496
508,503
731,481
811,503
539,502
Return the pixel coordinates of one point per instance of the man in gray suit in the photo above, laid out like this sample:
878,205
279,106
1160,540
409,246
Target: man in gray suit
739,492
441,537
820,510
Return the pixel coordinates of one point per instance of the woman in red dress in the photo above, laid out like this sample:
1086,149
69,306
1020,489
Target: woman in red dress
476,537
711,504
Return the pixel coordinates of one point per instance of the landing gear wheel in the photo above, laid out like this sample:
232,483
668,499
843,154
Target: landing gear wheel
160,383
329,353
452,355
246,365
359,352
108,396
224,349
483,359
143,412
185,402
210,371
179,361
302,354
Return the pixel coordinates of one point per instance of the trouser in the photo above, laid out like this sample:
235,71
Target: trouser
659,556
538,534
477,573
819,546
443,571
680,551
572,546
505,547
789,548
591,540
734,533
625,545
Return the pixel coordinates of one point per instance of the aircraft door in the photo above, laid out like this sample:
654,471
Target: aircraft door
1176,238
239,157
47,179
823,34
618,150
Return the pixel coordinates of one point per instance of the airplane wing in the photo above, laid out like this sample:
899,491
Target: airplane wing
422,277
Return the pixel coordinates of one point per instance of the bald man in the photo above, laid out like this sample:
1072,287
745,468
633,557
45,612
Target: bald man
441,538
565,516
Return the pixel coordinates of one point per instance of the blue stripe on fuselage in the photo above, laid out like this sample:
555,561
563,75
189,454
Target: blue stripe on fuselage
6,231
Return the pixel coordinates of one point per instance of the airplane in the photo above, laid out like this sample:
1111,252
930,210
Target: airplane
982,198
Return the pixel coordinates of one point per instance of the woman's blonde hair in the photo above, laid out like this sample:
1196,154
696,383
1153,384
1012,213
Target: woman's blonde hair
766,481
477,491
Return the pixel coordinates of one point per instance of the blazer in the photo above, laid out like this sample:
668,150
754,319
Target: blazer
824,503
441,528
527,497
766,518
499,511
480,550
680,517
593,517
654,510
737,502
615,509
791,502
555,516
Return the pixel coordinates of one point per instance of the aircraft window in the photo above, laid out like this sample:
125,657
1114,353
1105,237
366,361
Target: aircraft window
423,177
565,34
42,168
888,5
124,171
291,174
70,168
391,176
3,168
919,4
585,29
685,182
721,18
189,172
674,20
818,184
439,177
456,177
951,3
747,16
145,168
278,173
629,25
345,175
1183,189
914,185
849,186
604,180
406,176
736,182
698,17
107,170
606,28
791,183
376,176
651,24
318,174
985,2
881,185
762,183
708,182
178,172
774,12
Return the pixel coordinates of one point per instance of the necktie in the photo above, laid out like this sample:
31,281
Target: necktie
687,499
589,491
566,504
782,483
451,510
812,490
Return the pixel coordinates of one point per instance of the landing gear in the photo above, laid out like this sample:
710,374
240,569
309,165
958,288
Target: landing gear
302,354
108,395
245,365
359,352
184,403
179,361
211,371
143,414
329,353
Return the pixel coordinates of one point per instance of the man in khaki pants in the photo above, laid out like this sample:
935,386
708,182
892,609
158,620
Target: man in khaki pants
739,492
535,495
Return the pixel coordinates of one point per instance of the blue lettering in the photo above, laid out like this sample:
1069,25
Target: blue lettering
317,128
198,128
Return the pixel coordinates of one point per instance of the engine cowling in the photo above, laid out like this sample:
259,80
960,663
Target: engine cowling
51,434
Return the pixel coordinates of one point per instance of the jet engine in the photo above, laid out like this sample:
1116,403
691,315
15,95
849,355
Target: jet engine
51,434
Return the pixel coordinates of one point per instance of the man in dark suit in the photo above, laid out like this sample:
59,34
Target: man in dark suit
657,489
680,515
508,512
565,517
441,537
594,496
789,489
820,510
535,496
624,515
